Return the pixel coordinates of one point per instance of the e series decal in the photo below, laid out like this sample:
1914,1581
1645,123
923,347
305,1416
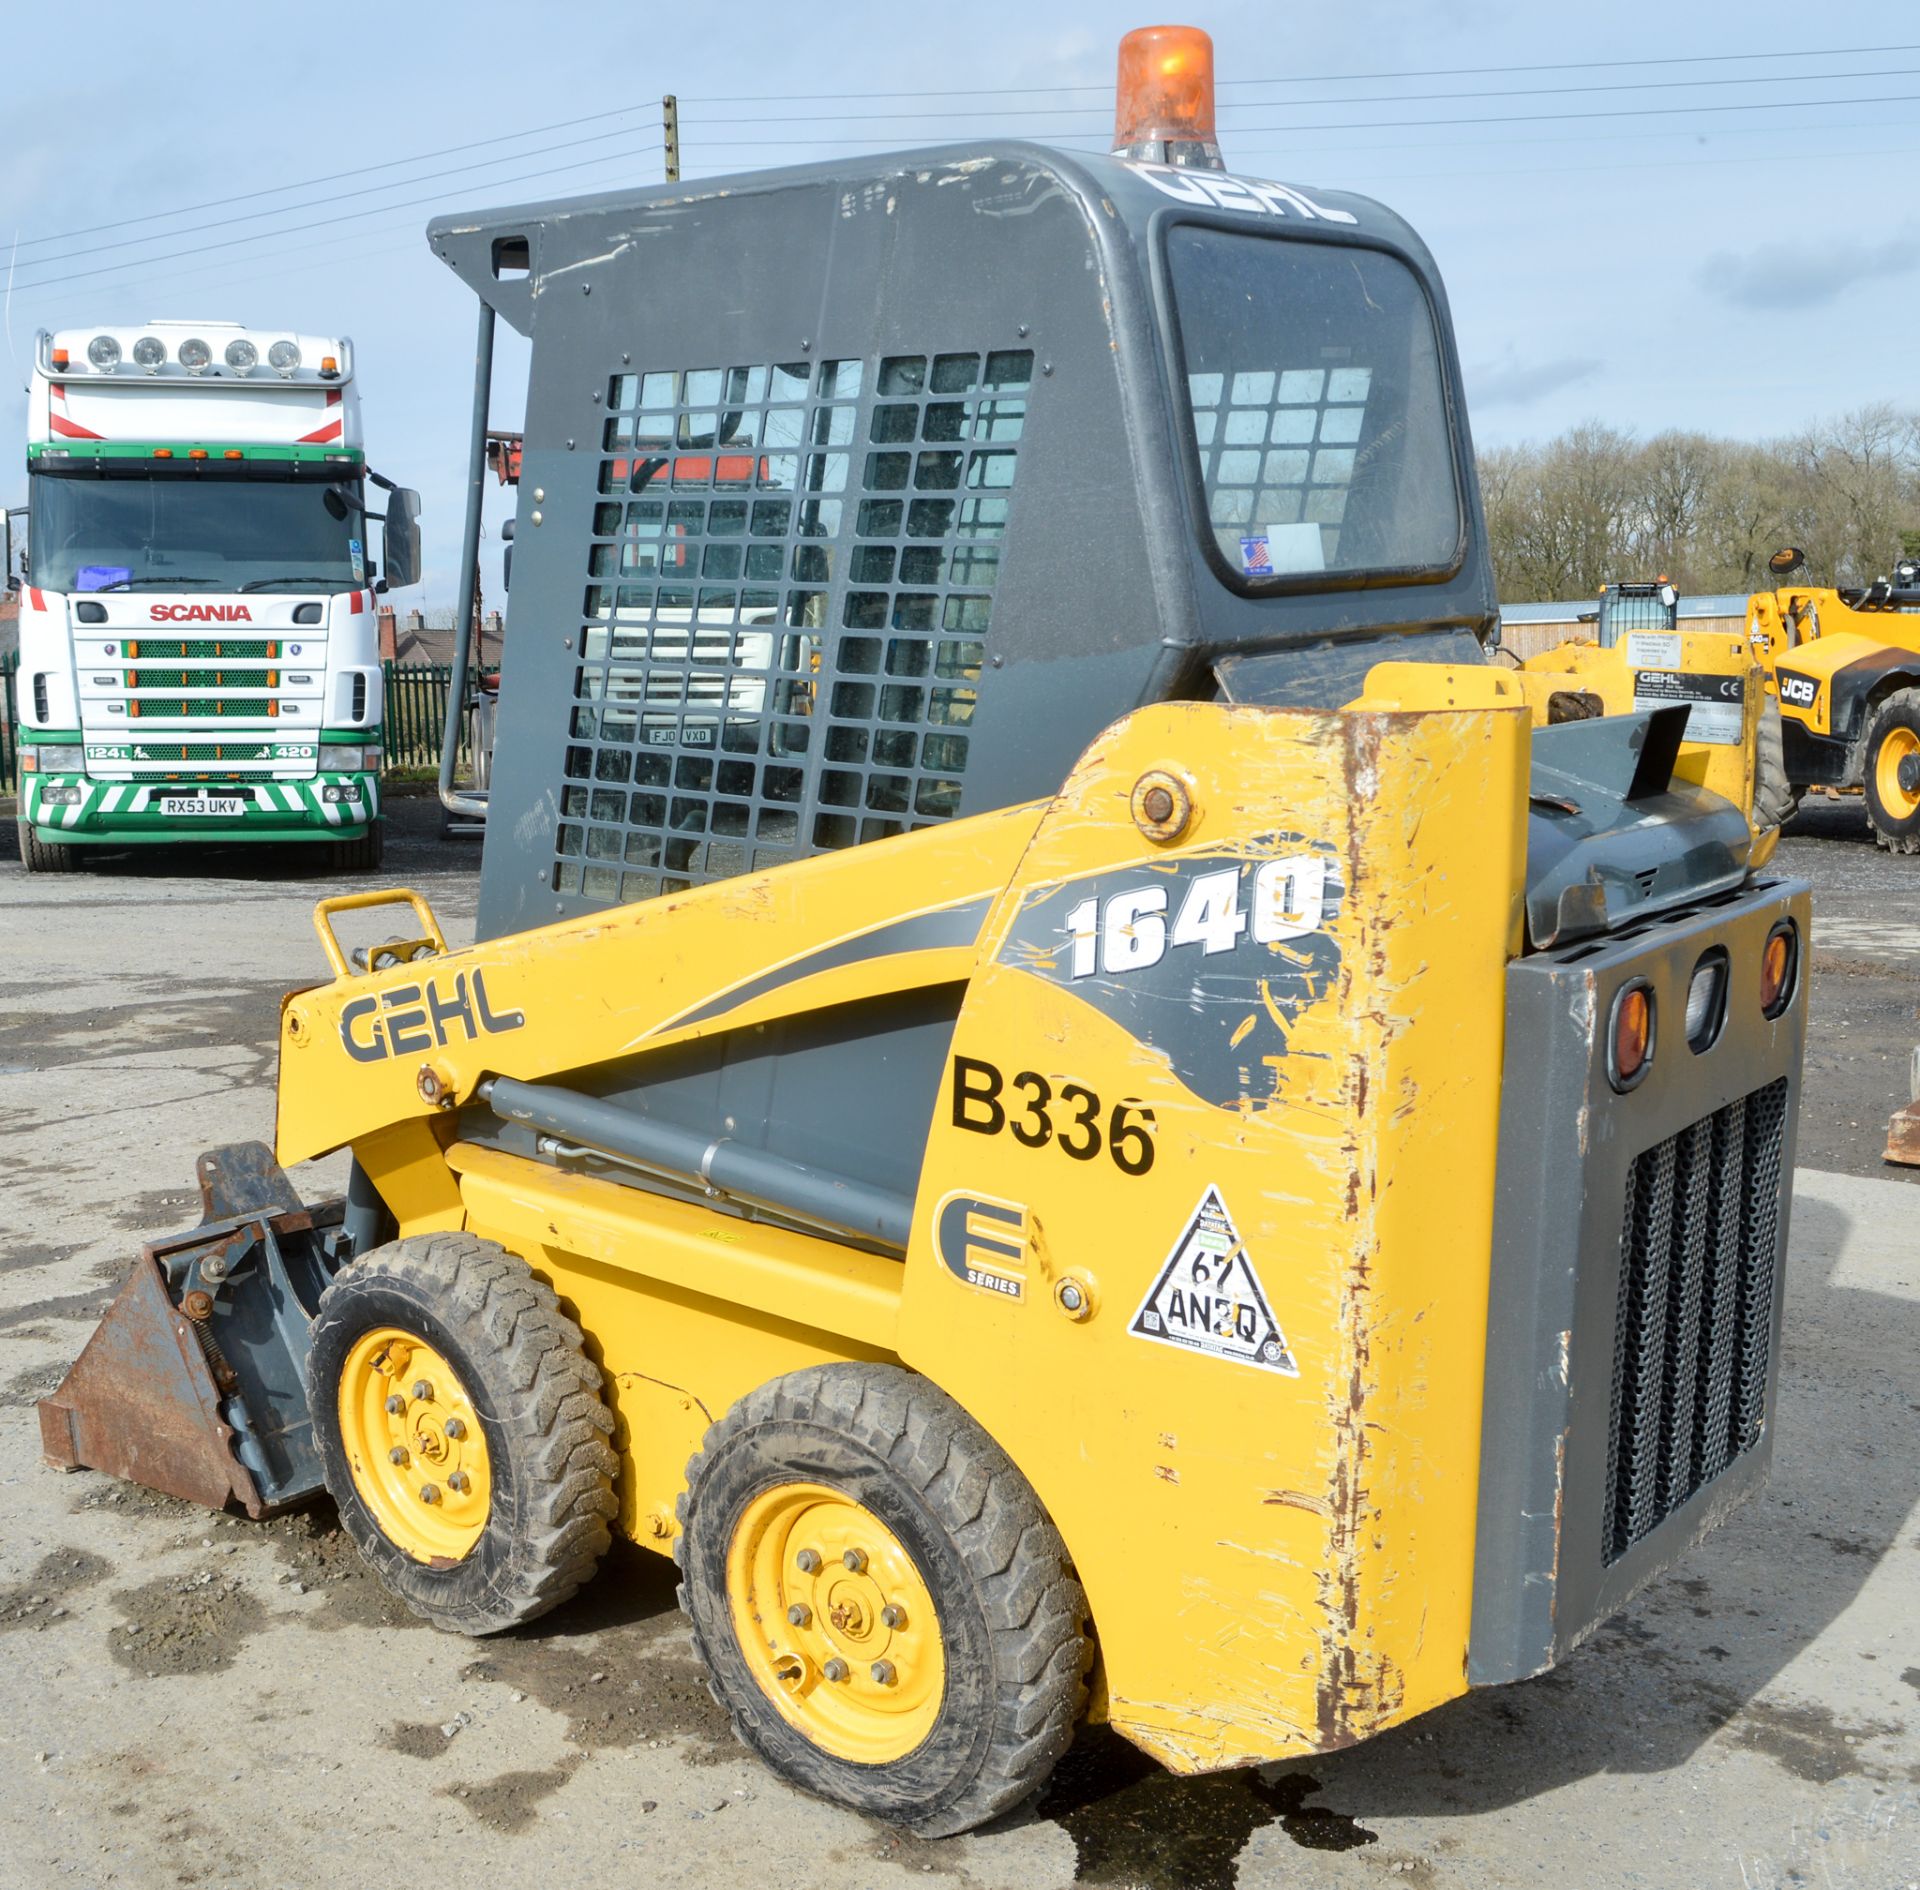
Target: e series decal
985,1102
983,1242
417,1016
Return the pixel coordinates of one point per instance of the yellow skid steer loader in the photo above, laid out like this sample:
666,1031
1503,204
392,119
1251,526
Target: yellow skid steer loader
1060,1093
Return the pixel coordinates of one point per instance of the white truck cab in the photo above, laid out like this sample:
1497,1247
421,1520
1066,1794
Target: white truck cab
199,654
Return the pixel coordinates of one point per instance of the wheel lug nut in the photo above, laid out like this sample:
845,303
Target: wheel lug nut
398,1454
835,1670
800,1614
893,1615
422,1390
395,1405
457,1481
855,1559
454,1429
429,1493
883,1672
807,1561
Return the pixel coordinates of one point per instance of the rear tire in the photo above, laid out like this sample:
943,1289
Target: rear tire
1891,774
362,854
46,856
974,1709
496,1352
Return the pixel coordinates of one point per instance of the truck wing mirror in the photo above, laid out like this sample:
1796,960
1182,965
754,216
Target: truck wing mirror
400,541
1786,561
8,582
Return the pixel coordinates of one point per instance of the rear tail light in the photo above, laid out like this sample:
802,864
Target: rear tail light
1630,1034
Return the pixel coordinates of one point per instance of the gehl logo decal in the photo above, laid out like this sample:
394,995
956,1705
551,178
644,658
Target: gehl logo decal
410,1017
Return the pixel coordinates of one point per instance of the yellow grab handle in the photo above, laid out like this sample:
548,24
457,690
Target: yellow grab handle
357,902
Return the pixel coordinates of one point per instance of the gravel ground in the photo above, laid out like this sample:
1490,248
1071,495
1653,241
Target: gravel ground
191,1700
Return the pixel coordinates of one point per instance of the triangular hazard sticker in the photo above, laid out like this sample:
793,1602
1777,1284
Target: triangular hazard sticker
1207,1297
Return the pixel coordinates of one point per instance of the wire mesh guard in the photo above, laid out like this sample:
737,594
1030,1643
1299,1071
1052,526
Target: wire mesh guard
788,597
1694,1325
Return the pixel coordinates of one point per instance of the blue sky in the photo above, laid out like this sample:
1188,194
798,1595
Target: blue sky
1723,234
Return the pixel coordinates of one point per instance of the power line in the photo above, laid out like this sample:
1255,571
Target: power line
366,190
319,223
332,177
1388,98
1318,78
1380,124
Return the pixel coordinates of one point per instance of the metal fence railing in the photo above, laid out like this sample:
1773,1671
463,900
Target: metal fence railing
416,713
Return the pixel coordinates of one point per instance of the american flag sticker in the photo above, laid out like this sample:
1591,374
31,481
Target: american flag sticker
1256,555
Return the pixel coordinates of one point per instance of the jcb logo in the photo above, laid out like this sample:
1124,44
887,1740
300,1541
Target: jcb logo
412,1017
1798,691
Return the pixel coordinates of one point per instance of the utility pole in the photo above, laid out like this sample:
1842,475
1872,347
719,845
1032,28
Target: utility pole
670,124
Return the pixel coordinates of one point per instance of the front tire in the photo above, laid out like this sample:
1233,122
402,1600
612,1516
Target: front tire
46,856
361,854
461,1431
1892,772
880,1601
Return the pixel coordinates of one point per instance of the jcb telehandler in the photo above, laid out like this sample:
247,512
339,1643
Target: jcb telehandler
1060,1095
1846,667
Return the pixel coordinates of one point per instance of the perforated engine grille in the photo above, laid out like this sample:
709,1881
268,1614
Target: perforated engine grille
1694,1324
789,594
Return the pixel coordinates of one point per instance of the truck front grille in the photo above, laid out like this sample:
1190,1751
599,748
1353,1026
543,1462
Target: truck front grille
255,708
1694,1325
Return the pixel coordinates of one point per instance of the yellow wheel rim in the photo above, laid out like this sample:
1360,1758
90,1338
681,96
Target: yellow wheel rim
415,1446
1895,746
836,1623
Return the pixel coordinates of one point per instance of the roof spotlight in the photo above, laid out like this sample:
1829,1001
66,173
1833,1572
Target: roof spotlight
283,356
148,352
194,354
242,355
104,352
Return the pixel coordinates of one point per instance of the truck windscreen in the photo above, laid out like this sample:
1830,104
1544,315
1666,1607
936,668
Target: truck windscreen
94,533
1314,393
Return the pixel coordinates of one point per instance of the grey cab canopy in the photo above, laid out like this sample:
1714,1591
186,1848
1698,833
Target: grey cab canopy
857,497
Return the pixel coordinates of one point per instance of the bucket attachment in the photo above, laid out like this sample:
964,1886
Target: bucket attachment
194,1382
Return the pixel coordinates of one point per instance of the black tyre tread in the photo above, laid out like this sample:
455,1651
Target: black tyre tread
362,854
559,1420
46,856
1906,701
1035,1608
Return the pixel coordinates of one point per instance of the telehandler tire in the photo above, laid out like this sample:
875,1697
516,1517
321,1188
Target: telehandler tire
1891,775
461,1431
881,1604
45,856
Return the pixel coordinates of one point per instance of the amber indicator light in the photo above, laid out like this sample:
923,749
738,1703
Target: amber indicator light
1630,1038
1776,969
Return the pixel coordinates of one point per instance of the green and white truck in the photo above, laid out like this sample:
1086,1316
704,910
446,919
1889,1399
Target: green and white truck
199,647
